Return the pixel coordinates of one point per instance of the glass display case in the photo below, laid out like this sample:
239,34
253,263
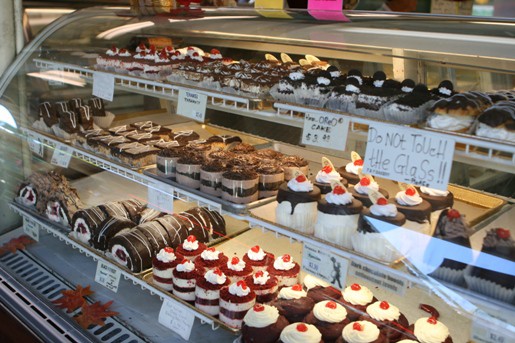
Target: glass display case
238,133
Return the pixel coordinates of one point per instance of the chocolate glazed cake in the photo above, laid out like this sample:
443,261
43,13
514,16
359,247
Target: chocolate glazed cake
132,250
109,228
86,223
210,221
48,113
240,186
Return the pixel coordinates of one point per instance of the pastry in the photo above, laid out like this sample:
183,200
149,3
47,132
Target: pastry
226,139
86,223
166,161
210,222
240,186
236,269
498,122
62,205
271,176
211,259
300,333
82,136
107,59
329,318
148,214
387,317
139,157
456,113
292,163
185,277
258,259
293,303
356,298
416,210
235,301
35,191
211,177
49,114
188,170
326,176
264,285
262,324
320,290
439,201
314,91
163,265
361,332
370,100
132,250
183,137
410,108
97,106
68,125
156,234
429,329
343,98
445,89
207,291
109,228
361,190
285,270
351,170
242,148
191,248
85,117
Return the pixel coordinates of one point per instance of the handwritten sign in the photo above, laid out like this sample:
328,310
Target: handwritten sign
177,318
160,197
192,105
107,276
271,8
62,155
379,276
103,85
325,130
327,10
408,155
31,228
35,144
325,265
488,329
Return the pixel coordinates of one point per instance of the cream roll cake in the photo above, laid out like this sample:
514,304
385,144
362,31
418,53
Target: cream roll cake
207,291
163,265
264,285
262,324
258,259
235,301
329,318
285,270
236,269
356,298
300,333
185,277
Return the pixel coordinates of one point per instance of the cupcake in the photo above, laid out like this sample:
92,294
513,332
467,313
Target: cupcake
390,321
411,108
297,204
285,270
497,242
163,265
315,89
300,333
211,259
211,178
361,190
236,269
319,290
337,217
166,161
191,248
329,318
188,170
235,301
439,201
326,175
416,210
264,285
429,329
343,98
185,277
292,163
262,324
258,259
361,332
352,169
271,176
356,298
293,303
207,291
283,90
370,100
240,186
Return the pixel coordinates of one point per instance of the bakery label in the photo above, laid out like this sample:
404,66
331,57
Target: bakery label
192,105
31,229
325,130
160,197
488,329
107,276
379,276
409,155
103,85
272,8
62,155
35,144
177,318
327,10
325,265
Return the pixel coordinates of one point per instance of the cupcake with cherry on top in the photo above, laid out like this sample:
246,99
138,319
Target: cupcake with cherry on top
416,210
352,169
211,259
191,248
293,303
387,317
235,301
163,265
326,176
429,329
361,332
185,280
300,333
258,259
356,298
207,291
319,290
264,285
236,269
329,318
285,270
262,324
361,189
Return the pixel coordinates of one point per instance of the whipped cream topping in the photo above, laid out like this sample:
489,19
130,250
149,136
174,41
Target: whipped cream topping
429,330
293,292
359,78
215,278
335,74
323,81
210,255
165,256
112,52
124,53
264,316
433,192
186,266
281,264
236,266
501,132
362,296
238,289
324,177
295,76
378,83
445,91
408,200
368,333
161,59
382,313
352,89
450,123
339,199
190,246
256,255
365,189
261,278
329,311
296,186
407,89
291,334
216,56
311,281
353,169
388,210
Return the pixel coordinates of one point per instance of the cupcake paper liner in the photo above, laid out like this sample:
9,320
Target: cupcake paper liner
488,288
339,103
281,96
454,276
414,116
104,122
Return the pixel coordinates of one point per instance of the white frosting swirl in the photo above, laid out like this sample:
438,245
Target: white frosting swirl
238,290
236,267
378,83
260,319
365,189
430,333
186,267
324,177
289,293
256,256
335,73
369,332
311,281
190,246
329,314
433,192
210,255
361,297
352,89
280,264
391,313
112,52
214,278
450,123
290,334
165,256
295,76
323,81
408,200
261,280
296,186
407,89
339,199
124,53
216,56
353,169
443,90
388,210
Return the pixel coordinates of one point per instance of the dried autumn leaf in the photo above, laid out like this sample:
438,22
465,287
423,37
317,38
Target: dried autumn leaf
73,299
15,244
94,314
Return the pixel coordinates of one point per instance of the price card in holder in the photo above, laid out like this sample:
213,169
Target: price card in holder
160,197
409,155
107,276
103,85
487,329
379,277
192,105
31,229
62,155
325,130
325,265
35,145
177,318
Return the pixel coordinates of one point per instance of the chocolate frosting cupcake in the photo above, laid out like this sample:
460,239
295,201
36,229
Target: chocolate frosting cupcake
364,225
285,194
242,148
353,208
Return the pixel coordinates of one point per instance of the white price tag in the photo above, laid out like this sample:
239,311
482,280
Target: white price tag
160,197
487,329
62,155
177,318
325,130
408,155
103,85
35,145
325,265
192,105
107,276
379,277
31,229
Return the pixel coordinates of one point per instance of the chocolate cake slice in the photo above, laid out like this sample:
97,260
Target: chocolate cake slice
48,113
97,105
140,156
69,122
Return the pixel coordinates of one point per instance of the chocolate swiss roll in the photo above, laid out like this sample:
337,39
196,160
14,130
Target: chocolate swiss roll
132,250
109,228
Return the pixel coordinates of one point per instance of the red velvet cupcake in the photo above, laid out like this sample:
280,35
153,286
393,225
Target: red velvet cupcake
387,318
262,324
293,303
191,248
329,318
235,301
285,270
185,278
264,285
356,298
163,265
429,329
236,269
361,332
258,259
300,333
211,259
207,291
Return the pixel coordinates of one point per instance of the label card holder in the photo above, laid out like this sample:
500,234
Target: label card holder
488,329
160,197
192,105
107,276
177,318
325,130
103,85
325,265
62,155
31,229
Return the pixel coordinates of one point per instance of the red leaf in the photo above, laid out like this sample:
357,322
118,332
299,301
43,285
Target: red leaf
15,244
73,299
94,314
